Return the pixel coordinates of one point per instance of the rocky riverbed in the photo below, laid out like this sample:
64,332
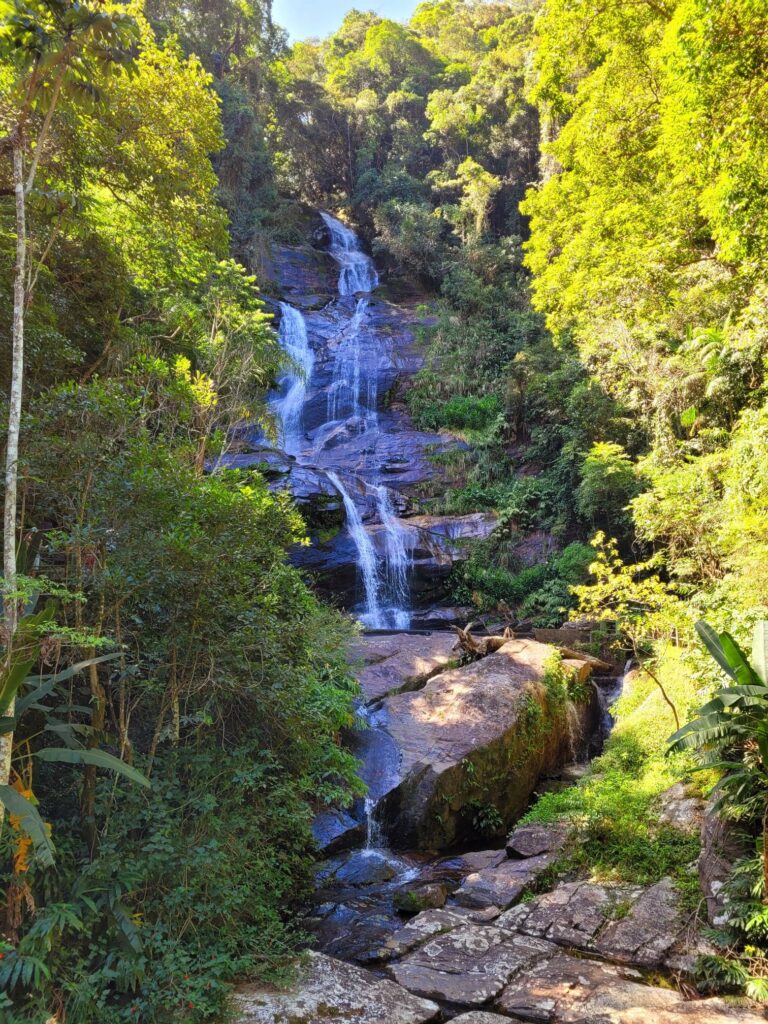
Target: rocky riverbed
471,934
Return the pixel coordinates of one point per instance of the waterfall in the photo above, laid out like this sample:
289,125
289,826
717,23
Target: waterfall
397,562
290,406
366,556
358,274
344,395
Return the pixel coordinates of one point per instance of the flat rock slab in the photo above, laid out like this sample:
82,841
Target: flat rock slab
567,990
398,662
626,924
333,992
502,884
469,965
647,934
427,925
480,1017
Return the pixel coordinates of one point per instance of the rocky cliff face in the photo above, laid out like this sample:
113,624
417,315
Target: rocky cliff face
348,450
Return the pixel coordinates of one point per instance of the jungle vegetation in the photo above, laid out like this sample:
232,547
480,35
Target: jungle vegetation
578,191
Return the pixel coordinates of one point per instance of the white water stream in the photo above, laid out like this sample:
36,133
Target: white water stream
384,553
290,405
358,274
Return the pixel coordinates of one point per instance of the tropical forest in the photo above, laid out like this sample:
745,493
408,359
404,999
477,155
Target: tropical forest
384,460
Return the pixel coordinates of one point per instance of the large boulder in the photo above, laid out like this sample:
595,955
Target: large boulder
468,965
475,737
501,883
400,661
333,992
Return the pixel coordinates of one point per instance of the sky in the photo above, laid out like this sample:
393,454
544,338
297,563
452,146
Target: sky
304,18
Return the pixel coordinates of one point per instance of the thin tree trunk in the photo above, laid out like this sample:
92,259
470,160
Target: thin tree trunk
10,602
98,719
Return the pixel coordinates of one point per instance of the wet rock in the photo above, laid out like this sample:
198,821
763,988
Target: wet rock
570,990
425,926
502,884
626,924
352,932
300,271
415,898
532,840
363,867
482,733
681,809
336,830
400,661
334,992
469,965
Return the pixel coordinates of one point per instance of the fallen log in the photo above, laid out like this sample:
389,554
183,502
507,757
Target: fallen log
598,663
482,646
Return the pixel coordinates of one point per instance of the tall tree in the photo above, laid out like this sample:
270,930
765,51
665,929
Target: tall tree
60,50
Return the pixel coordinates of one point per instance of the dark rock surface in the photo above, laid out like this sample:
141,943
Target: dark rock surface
501,885
532,840
625,924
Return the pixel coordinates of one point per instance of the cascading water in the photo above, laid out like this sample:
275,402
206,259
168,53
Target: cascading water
345,396
353,396
397,565
358,274
383,559
366,555
289,407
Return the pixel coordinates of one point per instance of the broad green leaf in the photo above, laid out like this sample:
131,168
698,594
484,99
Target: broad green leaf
760,650
711,640
67,673
26,702
99,758
744,672
31,822
15,675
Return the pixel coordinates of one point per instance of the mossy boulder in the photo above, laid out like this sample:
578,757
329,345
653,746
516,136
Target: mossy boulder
473,744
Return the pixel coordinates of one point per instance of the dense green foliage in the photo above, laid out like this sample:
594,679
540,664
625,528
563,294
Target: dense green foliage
227,683
576,193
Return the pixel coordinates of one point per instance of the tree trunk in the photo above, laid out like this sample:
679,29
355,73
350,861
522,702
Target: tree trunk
10,602
98,720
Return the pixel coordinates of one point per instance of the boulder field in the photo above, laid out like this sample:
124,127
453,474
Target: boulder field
416,938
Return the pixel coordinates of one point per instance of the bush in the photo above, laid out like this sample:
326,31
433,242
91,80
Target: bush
614,807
